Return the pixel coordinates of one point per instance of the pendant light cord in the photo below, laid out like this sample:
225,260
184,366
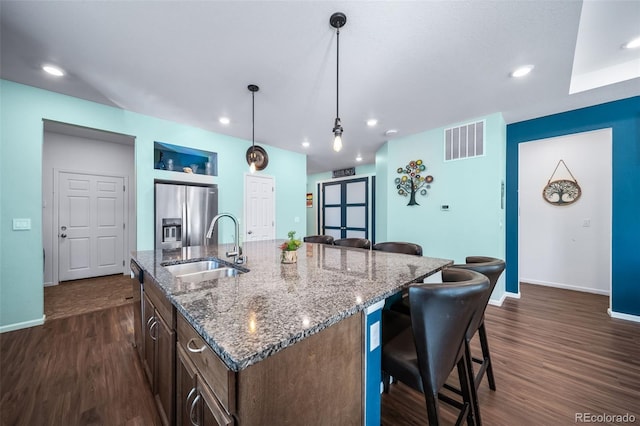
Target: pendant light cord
253,123
338,73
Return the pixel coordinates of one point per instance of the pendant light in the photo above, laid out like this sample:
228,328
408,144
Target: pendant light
252,156
337,21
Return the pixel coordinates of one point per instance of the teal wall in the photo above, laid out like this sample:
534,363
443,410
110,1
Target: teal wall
474,224
382,192
22,110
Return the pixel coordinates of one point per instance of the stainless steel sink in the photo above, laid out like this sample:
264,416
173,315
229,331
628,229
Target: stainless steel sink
202,271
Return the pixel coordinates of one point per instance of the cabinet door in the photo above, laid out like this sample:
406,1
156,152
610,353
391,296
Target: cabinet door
213,414
165,369
148,361
185,388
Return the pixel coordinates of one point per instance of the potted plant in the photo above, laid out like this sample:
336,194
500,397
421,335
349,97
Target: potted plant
289,247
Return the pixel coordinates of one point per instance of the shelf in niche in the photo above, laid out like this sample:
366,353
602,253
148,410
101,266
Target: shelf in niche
173,158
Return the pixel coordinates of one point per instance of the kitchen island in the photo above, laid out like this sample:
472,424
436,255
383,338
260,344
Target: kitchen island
298,340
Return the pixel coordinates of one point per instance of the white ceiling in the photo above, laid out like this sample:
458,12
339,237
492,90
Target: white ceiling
413,65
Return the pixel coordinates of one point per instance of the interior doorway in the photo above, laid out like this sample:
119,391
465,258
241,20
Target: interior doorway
101,160
566,246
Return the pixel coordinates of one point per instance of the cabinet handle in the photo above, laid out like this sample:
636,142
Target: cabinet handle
151,318
193,406
154,324
195,350
191,392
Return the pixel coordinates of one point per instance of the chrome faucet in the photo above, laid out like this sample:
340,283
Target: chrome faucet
236,253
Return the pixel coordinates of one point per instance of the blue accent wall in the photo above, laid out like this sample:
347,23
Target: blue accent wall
623,117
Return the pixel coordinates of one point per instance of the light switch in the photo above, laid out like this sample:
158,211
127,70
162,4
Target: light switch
586,223
22,224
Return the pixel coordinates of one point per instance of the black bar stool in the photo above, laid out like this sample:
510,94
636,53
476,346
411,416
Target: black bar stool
423,355
322,239
353,242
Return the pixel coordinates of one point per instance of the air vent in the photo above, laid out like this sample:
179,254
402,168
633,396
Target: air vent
464,141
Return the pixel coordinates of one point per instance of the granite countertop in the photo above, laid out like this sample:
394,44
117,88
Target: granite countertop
253,315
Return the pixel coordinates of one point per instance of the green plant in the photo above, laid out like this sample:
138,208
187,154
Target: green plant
291,244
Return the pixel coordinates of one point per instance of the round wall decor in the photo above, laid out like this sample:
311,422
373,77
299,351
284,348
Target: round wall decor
258,155
561,192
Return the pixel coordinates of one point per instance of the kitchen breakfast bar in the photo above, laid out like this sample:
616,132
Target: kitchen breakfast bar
274,343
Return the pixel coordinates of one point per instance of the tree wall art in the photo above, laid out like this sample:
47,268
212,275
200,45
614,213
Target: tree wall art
413,181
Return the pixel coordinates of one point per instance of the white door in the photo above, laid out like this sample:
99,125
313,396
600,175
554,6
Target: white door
259,208
90,225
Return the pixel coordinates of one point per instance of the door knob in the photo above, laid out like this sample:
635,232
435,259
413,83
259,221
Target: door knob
249,232
63,235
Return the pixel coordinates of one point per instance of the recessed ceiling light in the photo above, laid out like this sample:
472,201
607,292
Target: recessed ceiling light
306,144
391,132
522,71
53,70
359,158
224,120
372,122
632,44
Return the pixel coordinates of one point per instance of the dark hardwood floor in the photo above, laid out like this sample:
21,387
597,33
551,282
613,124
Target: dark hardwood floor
555,352
79,370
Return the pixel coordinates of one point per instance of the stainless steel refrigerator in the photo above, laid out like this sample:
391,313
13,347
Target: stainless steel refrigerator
183,214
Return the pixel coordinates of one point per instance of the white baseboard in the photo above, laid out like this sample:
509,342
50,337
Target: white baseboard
21,325
618,315
50,284
565,286
512,295
498,302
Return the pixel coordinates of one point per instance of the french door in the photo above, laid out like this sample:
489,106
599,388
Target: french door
345,208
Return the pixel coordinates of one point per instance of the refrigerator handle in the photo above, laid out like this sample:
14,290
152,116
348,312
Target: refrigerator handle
185,224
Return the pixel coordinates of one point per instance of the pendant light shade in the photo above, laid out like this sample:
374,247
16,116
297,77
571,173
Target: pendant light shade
337,21
252,155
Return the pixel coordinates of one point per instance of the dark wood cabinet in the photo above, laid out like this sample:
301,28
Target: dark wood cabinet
158,360
195,402
148,351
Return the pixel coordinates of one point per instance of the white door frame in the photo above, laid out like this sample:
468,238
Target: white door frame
246,203
55,256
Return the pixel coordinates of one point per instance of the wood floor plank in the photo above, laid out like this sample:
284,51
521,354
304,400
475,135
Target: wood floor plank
555,353
79,370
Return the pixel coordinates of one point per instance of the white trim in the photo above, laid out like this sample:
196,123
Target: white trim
513,295
628,317
375,307
21,325
500,301
565,286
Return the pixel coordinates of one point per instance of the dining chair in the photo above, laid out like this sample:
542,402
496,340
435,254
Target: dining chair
363,243
424,354
322,239
399,247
